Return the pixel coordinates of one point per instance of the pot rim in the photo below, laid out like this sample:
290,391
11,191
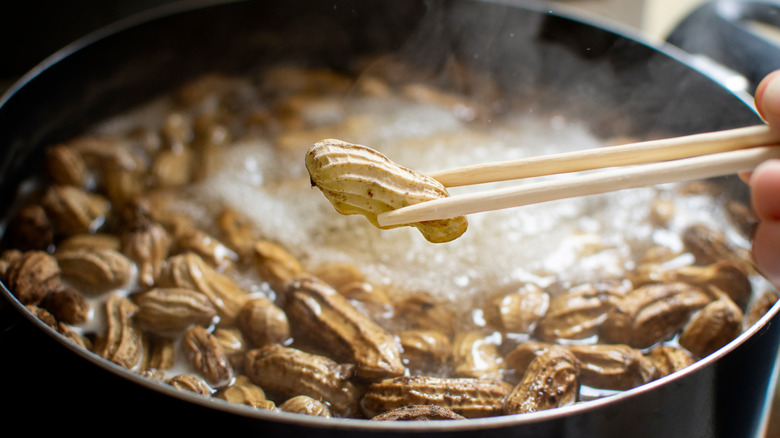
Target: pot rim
563,11
411,426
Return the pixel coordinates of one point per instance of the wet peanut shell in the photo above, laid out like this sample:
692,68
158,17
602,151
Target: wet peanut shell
424,349
31,276
208,247
293,372
74,211
667,360
652,313
577,314
263,322
190,271
275,265
326,318
187,382
67,305
244,392
476,355
551,381
95,270
615,367
517,360
714,326
30,229
147,245
420,311
518,311
419,413
171,310
205,354
123,341
759,307
307,406
470,398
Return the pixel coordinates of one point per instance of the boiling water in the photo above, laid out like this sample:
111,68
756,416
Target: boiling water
555,245
569,241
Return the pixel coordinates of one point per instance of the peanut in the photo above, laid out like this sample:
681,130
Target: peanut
359,180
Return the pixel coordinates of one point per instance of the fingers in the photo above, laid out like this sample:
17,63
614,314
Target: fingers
768,99
766,255
765,191
768,105
765,196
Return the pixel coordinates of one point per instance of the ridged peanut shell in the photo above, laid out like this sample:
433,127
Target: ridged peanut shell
551,381
652,313
293,372
326,318
359,180
470,398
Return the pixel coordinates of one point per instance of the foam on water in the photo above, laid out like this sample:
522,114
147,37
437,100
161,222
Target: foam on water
569,241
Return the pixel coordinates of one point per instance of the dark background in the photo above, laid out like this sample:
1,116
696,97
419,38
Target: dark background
31,30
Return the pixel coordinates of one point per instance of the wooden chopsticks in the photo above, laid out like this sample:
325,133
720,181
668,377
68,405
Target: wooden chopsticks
676,159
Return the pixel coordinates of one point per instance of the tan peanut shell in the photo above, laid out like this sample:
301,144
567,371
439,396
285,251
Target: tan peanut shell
615,367
147,244
576,314
652,313
293,372
30,276
306,405
325,317
476,355
551,381
418,413
170,310
667,359
190,271
244,392
123,342
470,398
95,270
714,326
359,180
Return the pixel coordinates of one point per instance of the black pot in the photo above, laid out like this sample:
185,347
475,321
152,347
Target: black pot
726,32
618,84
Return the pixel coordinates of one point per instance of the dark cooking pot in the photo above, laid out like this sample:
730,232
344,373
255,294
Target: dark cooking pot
616,83
728,32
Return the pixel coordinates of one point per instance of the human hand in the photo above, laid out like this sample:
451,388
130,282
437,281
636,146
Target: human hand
765,187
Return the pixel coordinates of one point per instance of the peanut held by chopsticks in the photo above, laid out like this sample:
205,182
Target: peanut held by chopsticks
359,180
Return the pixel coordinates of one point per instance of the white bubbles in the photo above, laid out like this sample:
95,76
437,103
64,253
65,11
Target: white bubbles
569,241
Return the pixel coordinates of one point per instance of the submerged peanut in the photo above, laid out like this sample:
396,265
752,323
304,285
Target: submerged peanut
470,398
616,367
244,392
652,313
303,404
424,349
667,360
292,372
518,311
551,381
714,326
476,355
359,180
325,318
578,313
418,413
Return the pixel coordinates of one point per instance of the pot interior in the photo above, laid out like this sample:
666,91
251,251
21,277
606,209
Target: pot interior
548,65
